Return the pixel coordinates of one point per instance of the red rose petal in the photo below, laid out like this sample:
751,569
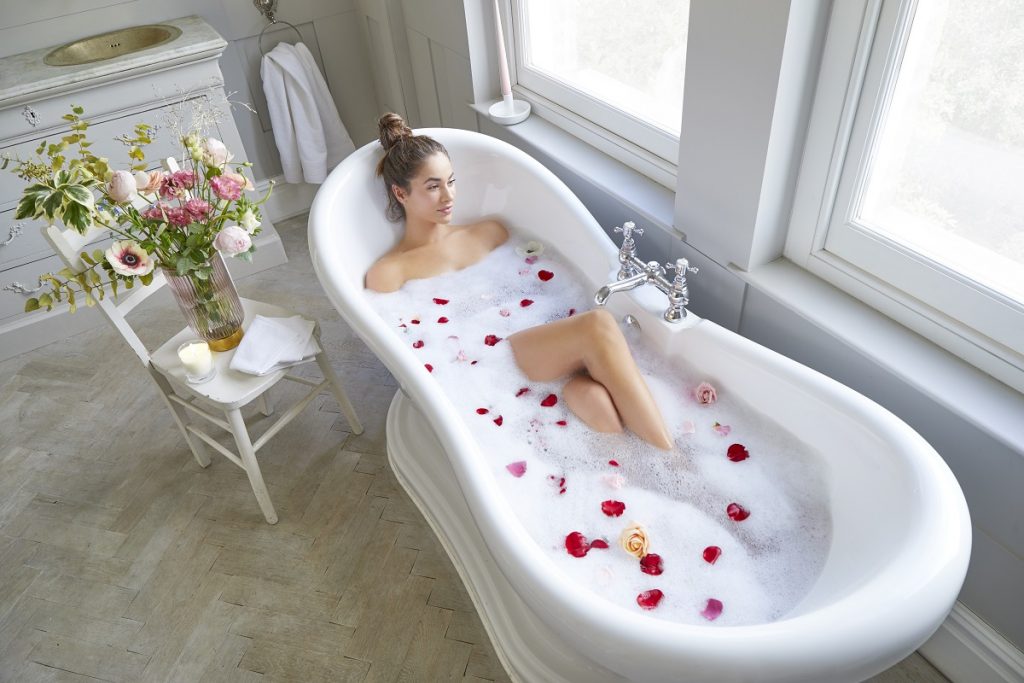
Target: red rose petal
549,400
562,423
737,512
599,543
712,553
613,463
429,367
482,411
418,344
440,302
576,544
517,469
404,326
737,452
649,599
545,275
526,302
491,339
651,564
572,312
498,420
713,609
442,320
613,508
415,321
521,392
473,362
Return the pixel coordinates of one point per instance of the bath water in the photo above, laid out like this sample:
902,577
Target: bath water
556,472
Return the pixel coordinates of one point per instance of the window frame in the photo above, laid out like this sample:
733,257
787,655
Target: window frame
636,143
863,41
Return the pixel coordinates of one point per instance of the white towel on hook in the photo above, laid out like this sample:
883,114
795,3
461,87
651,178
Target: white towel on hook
310,136
274,343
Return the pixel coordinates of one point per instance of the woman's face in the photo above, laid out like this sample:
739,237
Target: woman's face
431,194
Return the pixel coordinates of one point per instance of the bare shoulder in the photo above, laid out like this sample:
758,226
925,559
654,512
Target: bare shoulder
492,232
387,274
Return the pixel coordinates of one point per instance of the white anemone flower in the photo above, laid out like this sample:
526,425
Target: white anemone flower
128,258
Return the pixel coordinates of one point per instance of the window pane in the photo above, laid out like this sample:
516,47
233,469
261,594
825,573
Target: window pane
630,55
947,177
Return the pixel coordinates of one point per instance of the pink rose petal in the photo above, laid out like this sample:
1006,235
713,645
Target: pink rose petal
504,313
688,427
517,469
713,609
614,481
721,429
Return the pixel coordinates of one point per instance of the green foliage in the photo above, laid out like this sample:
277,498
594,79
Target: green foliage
66,182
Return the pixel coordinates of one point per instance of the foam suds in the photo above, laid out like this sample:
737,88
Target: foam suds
768,561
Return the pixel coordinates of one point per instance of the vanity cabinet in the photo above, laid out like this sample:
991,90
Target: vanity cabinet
152,86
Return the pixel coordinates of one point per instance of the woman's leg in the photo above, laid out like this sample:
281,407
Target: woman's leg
590,401
593,342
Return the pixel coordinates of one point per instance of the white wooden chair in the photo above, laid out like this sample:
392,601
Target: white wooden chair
227,393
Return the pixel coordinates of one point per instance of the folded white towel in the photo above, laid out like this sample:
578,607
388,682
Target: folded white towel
310,136
271,344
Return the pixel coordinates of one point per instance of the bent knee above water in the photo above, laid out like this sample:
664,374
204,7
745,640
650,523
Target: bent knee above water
602,329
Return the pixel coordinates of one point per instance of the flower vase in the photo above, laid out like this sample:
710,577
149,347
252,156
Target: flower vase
210,304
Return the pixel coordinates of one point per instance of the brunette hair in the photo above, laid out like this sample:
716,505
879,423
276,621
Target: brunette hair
404,153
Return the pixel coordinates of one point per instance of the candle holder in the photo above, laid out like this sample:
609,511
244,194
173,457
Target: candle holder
508,111
197,360
505,111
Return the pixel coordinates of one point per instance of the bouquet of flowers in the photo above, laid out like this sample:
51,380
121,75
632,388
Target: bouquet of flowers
176,220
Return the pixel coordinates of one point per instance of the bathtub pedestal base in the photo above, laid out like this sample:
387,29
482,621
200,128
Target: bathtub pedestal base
528,649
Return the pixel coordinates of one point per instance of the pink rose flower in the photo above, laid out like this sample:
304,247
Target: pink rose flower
175,184
198,209
178,216
128,258
232,241
226,187
241,180
121,186
148,183
705,393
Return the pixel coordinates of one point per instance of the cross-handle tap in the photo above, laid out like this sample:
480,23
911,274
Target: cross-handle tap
679,293
627,252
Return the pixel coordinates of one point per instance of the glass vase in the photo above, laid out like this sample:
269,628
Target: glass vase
211,305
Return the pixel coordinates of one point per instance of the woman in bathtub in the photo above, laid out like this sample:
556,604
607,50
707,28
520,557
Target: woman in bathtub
606,390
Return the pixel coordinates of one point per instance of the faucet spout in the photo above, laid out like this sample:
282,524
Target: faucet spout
619,286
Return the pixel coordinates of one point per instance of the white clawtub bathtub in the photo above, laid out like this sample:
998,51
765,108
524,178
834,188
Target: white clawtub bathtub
900,526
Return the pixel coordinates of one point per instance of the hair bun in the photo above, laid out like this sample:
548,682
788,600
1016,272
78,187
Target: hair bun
392,128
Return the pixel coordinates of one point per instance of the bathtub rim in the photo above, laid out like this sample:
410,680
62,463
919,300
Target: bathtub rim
626,635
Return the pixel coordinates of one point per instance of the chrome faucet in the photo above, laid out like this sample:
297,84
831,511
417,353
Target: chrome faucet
633,272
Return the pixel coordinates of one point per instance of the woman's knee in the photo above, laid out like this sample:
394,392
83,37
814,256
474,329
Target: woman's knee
603,331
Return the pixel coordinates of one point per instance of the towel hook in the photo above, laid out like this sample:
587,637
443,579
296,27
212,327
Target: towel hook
268,9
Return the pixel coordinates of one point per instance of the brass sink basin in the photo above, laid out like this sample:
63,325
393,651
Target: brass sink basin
112,44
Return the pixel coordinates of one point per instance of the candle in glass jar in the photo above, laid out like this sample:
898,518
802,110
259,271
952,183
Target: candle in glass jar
196,358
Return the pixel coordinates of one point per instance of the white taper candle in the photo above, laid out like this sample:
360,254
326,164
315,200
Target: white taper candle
506,85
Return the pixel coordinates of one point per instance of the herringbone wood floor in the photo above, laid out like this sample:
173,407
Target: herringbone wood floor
122,560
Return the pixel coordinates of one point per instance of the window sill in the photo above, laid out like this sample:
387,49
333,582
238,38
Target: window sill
645,197
984,402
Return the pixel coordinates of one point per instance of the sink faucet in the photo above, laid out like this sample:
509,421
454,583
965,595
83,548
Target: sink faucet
633,272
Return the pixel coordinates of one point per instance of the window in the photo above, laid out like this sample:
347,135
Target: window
616,65
922,211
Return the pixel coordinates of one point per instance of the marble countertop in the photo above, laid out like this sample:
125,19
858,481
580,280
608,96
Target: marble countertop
23,77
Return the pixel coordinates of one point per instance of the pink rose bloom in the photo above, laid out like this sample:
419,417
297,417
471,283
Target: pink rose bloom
148,183
705,393
226,187
175,184
241,180
156,212
178,216
198,209
121,186
128,258
232,241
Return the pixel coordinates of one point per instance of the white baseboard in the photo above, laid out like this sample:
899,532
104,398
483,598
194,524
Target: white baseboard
967,650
